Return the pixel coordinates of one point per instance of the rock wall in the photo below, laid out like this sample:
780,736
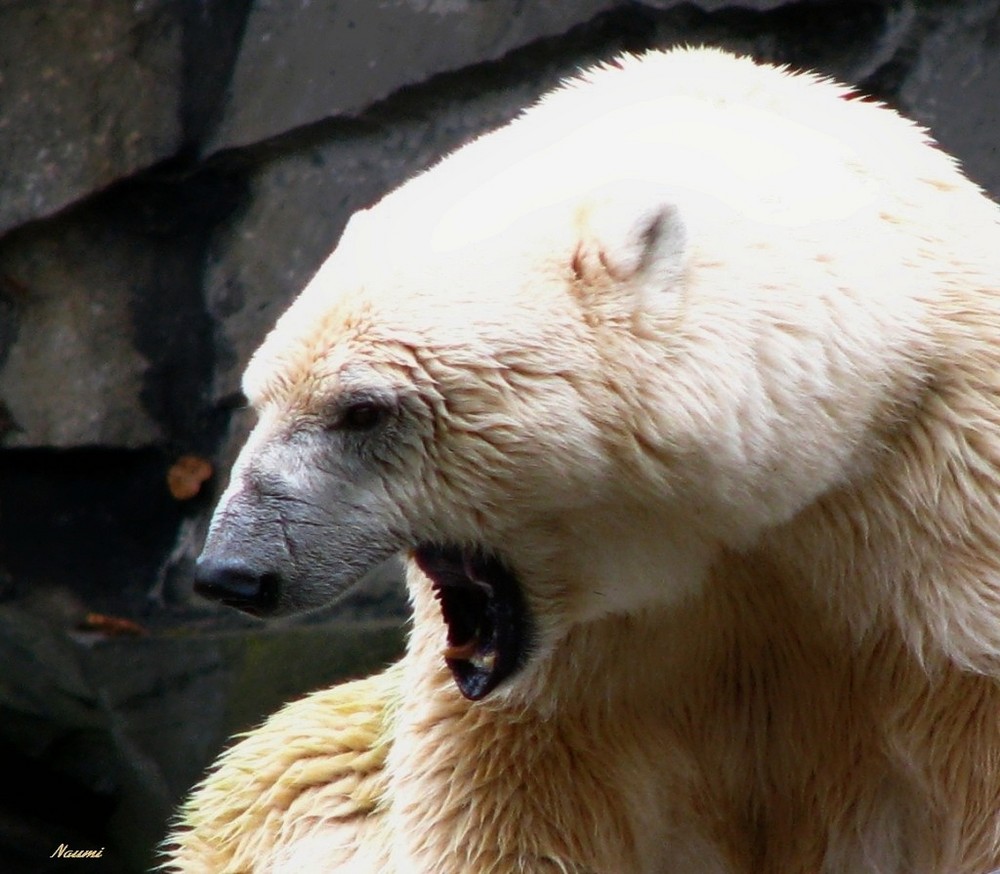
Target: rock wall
171,175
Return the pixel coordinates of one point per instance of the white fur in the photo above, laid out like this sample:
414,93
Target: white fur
710,354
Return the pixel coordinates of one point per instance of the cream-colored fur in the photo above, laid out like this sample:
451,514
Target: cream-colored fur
711,355
315,767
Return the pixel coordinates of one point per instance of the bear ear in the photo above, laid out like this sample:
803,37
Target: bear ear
629,236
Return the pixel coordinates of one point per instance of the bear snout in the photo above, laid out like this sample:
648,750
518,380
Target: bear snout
234,582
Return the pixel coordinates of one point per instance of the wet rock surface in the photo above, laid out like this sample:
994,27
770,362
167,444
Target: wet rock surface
171,175
100,737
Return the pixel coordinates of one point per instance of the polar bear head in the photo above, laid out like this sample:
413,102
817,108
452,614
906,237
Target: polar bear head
658,314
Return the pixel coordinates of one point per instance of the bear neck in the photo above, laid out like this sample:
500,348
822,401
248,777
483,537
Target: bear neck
753,697
910,547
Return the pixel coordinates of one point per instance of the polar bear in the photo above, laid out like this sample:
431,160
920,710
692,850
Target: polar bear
681,393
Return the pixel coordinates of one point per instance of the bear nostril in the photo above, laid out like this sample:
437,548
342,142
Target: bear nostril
237,584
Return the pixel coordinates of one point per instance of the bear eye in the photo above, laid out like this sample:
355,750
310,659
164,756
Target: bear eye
363,414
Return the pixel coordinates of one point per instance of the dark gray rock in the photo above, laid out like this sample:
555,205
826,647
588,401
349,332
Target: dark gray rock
954,87
62,775
104,338
315,61
71,374
89,93
716,5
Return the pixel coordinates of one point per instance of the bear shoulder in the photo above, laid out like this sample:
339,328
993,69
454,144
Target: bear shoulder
316,764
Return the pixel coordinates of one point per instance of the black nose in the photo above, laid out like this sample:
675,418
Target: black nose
237,584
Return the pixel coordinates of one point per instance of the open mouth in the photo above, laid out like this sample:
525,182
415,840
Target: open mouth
483,608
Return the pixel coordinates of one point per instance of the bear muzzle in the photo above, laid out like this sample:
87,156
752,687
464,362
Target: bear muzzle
236,583
279,546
